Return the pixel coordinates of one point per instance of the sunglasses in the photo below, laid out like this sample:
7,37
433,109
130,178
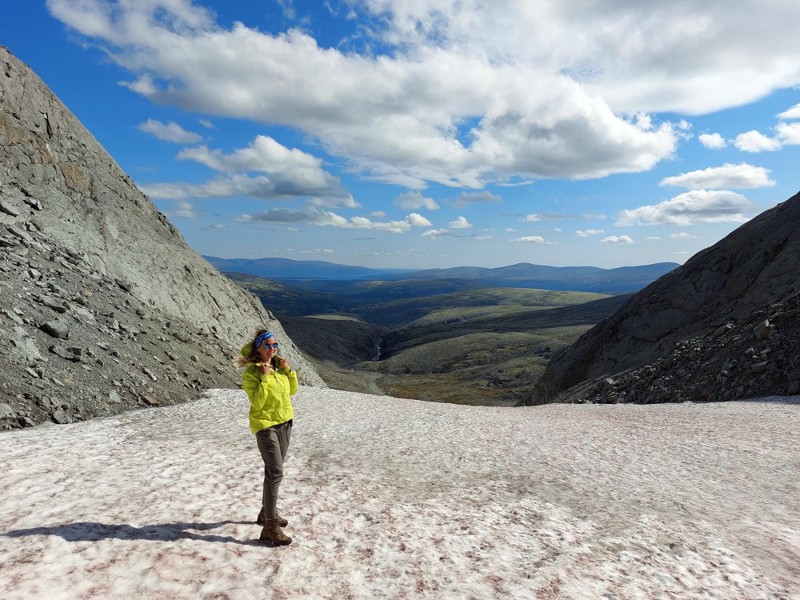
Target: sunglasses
275,345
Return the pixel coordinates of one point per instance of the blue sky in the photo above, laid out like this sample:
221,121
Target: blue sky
435,133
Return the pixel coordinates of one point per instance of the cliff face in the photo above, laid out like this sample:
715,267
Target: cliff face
723,325
103,306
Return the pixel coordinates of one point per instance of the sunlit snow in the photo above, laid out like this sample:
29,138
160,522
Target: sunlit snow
395,498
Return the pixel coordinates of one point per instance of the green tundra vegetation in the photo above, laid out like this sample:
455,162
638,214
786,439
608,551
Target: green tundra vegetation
440,340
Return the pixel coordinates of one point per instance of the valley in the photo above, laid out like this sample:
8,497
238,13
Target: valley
441,340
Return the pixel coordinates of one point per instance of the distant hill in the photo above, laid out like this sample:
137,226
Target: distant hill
581,279
621,280
401,303
285,268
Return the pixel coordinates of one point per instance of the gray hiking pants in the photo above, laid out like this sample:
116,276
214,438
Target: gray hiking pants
273,443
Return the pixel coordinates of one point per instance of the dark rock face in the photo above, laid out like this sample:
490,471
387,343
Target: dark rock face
103,306
723,326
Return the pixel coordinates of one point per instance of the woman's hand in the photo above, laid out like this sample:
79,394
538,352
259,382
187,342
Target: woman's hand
284,364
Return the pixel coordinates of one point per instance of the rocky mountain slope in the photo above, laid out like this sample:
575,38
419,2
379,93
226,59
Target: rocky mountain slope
725,325
103,306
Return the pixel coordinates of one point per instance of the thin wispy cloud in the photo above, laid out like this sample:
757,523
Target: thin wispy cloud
279,187
434,233
589,232
184,210
324,218
791,113
535,217
468,198
415,201
169,132
529,239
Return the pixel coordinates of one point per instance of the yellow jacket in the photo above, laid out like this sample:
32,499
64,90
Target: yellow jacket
270,396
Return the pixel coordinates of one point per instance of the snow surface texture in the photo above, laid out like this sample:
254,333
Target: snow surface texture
394,498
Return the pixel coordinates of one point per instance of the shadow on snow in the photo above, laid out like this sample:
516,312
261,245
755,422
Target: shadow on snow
162,532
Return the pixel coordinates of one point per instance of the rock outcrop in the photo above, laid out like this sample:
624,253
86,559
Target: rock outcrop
103,306
723,326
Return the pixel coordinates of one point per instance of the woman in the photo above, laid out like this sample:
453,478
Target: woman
269,382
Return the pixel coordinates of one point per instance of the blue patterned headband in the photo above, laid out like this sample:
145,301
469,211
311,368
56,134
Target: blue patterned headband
262,338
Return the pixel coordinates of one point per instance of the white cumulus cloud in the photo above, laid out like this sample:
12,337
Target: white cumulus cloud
617,239
417,220
697,206
712,140
289,173
727,176
462,93
755,141
455,108
789,133
459,223
264,154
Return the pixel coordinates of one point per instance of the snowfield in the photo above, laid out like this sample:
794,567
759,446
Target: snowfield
395,498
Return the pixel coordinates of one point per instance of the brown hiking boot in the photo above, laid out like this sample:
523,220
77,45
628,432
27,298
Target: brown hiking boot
272,533
261,519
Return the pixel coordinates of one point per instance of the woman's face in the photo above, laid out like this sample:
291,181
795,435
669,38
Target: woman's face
268,349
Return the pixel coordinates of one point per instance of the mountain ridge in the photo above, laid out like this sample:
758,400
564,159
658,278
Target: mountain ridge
287,268
573,278
723,325
103,305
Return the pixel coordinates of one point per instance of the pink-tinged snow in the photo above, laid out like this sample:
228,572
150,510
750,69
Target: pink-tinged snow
395,498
